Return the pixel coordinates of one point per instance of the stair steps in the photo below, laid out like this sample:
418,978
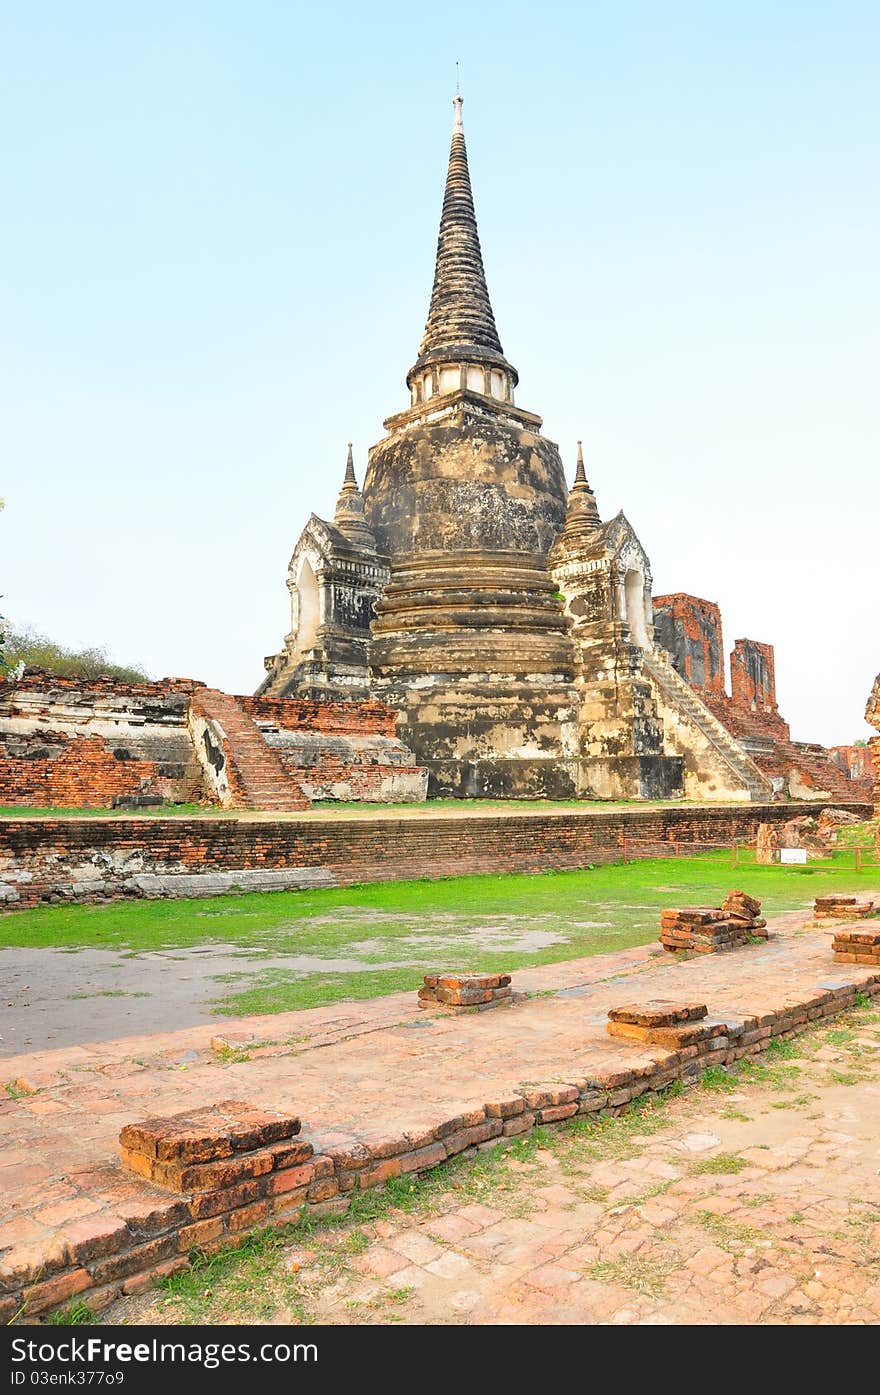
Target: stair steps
681,695
256,776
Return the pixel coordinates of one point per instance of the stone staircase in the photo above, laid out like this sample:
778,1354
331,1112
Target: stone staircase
257,779
681,695
766,737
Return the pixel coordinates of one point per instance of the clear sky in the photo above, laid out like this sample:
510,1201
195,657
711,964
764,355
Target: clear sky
217,243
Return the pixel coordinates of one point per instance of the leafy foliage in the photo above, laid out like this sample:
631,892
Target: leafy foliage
22,646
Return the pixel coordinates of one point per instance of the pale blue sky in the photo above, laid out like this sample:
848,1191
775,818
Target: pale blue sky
217,245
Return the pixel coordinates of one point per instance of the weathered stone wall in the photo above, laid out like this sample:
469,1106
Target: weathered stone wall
370,769
340,750
67,742
74,860
689,629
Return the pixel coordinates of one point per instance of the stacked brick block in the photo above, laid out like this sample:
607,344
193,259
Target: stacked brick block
676,1026
226,1156
841,908
711,929
857,947
465,991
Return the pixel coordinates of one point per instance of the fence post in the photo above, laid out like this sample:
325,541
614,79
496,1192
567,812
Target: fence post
733,854
858,853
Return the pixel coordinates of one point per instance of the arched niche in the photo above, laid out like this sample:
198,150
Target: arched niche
636,607
306,607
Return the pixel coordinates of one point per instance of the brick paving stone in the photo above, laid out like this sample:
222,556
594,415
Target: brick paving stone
363,1073
455,1227
450,1266
381,1262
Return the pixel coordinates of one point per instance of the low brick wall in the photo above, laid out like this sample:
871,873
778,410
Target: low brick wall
104,1256
369,718
48,860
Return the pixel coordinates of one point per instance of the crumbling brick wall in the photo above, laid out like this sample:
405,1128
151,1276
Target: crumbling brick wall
51,770
86,860
753,676
70,741
689,629
368,718
856,761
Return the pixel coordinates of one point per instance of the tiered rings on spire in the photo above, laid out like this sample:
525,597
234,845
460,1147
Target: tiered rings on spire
460,347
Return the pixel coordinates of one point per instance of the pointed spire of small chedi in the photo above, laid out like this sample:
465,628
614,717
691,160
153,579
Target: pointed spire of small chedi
349,517
582,516
460,329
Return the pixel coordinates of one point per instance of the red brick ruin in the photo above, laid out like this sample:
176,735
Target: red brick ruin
689,629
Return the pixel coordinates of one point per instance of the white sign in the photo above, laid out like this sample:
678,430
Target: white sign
792,854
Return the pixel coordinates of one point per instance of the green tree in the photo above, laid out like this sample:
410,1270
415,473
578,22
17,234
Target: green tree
26,647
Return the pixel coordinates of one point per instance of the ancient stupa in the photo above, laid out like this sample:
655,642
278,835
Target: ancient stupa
467,587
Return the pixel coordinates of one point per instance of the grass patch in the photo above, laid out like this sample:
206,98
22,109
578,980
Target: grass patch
400,930
847,1077
728,1234
717,1079
245,1282
109,993
642,1273
721,1163
74,1315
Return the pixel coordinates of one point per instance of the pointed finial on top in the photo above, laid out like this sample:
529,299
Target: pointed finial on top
349,468
580,475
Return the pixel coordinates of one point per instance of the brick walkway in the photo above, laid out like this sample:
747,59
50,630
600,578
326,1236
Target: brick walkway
355,1072
759,1205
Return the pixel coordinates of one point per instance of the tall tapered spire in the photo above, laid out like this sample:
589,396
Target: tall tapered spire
580,474
461,325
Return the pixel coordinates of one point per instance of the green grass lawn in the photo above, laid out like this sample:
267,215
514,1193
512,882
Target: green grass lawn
391,933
